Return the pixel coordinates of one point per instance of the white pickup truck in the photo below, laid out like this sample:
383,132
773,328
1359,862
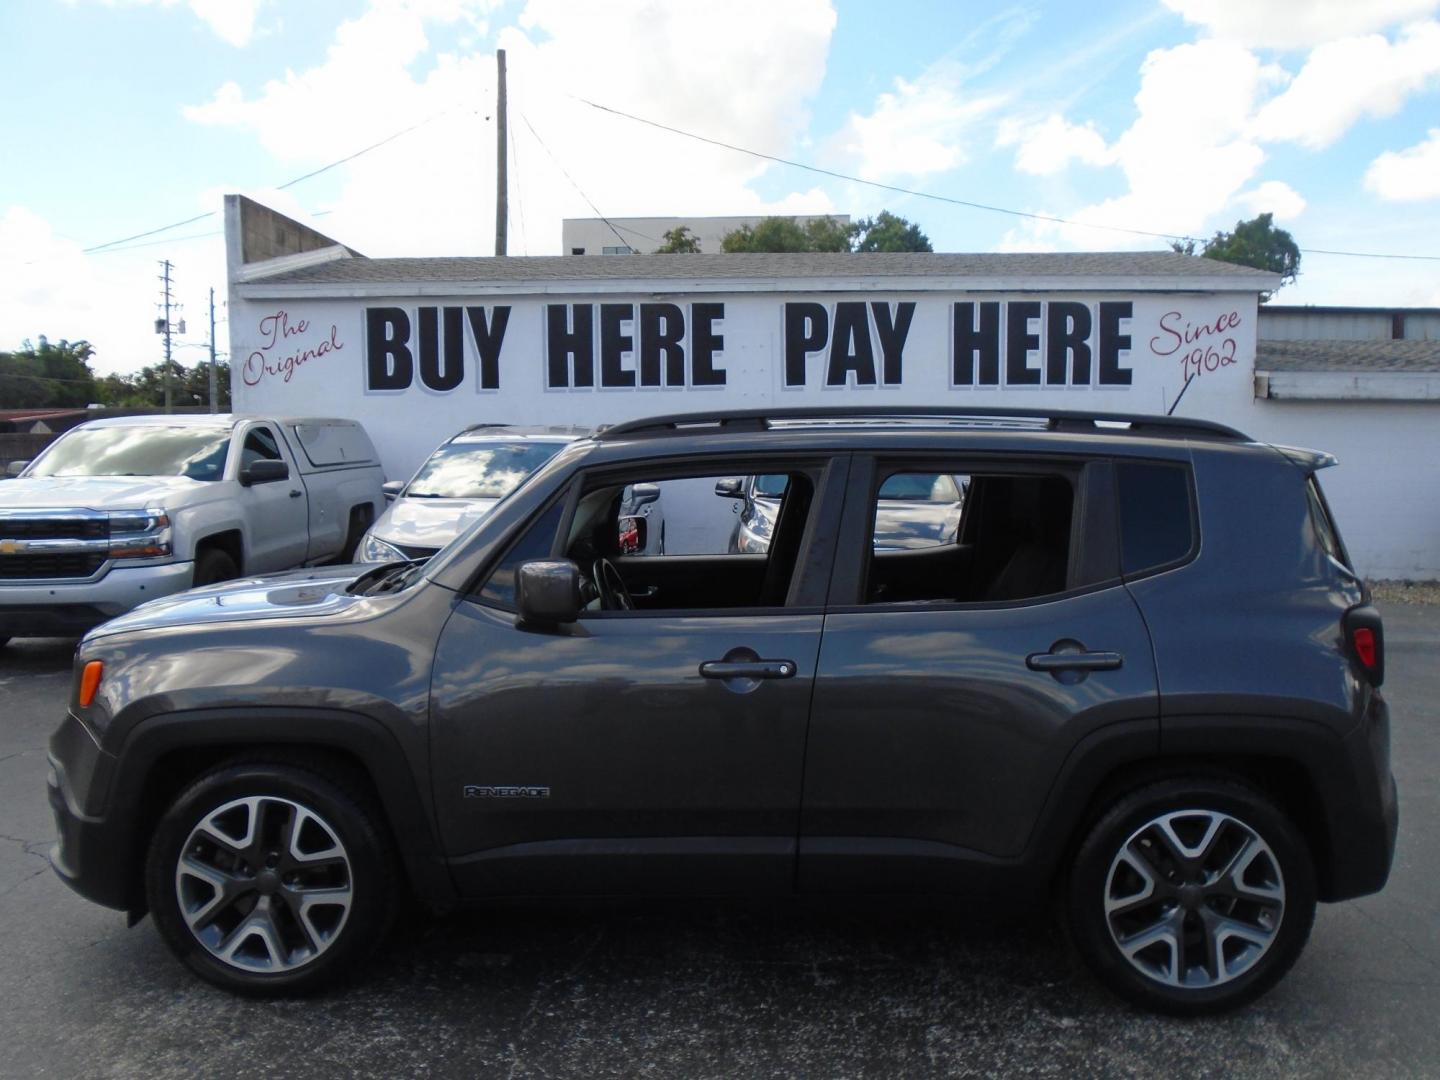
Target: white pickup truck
120,511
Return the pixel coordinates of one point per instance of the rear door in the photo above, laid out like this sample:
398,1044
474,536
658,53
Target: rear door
947,699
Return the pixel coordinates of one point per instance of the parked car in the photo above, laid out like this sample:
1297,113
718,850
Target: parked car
127,509
458,484
913,511
1144,682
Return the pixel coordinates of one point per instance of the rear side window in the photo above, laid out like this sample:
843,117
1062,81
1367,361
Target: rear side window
1157,521
1325,531
334,444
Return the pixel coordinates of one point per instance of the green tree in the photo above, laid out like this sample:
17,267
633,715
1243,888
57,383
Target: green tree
145,389
786,234
47,375
679,241
890,232
1260,244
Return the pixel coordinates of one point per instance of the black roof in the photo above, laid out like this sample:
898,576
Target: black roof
1377,355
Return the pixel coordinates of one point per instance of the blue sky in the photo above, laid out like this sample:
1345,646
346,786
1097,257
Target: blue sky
1174,116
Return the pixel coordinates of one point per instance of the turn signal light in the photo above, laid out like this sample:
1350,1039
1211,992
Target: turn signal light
90,682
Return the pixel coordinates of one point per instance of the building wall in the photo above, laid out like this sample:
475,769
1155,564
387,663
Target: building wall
322,356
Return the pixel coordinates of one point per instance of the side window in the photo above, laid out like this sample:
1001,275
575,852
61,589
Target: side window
1325,531
693,543
1156,520
536,542
259,446
958,537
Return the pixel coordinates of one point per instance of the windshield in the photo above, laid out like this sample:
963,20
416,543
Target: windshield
771,486
920,487
473,470
137,451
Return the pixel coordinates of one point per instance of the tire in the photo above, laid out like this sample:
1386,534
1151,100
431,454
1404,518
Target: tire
213,565
1227,907
337,870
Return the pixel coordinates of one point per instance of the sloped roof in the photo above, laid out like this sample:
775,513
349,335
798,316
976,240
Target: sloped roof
545,268
1362,356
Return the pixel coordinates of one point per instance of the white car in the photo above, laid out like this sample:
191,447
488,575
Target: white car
458,485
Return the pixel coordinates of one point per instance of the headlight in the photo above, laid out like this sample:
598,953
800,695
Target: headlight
751,541
373,549
140,534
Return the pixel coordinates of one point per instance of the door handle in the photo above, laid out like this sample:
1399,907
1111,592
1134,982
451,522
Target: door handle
1074,661
748,669
295,493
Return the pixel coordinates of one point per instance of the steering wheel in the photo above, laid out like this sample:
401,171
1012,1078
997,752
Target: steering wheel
614,596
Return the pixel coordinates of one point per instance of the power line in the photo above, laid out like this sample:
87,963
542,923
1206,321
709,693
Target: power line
950,199
288,184
576,186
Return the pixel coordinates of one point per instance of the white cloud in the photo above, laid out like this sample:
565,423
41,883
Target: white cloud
1291,24
49,286
1408,175
1186,155
1049,146
1345,80
918,129
1272,197
741,72
231,20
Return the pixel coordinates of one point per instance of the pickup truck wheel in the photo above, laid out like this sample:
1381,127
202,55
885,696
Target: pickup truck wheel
270,880
1192,896
212,566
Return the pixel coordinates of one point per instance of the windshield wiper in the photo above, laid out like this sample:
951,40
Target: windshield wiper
384,578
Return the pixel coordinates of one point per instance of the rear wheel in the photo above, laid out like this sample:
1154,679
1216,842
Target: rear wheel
213,565
1192,896
270,879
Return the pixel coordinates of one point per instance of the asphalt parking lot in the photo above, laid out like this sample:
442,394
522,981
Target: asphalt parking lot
708,990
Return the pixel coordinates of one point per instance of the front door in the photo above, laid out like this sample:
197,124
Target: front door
280,518
651,750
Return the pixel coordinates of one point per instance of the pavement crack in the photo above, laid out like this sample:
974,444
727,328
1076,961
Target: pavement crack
21,753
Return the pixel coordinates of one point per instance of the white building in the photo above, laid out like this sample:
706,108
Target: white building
416,349
595,236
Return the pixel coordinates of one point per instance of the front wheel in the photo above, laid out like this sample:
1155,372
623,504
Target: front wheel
269,879
1192,896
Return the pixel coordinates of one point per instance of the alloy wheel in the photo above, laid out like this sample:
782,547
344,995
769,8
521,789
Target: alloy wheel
264,884
1194,898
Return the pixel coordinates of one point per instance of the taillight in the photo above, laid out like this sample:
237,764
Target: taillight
90,682
1365,636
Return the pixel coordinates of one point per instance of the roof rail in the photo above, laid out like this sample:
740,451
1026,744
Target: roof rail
1053,420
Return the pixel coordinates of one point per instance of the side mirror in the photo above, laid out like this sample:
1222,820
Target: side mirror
264,471
15,468
392,489
732,487
640,494
632,535
547,592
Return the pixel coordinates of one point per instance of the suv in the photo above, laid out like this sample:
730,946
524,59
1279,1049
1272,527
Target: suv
1143,680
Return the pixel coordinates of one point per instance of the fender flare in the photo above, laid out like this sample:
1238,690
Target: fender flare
396,780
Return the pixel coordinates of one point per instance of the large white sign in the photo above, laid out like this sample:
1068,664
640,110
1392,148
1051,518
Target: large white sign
415,371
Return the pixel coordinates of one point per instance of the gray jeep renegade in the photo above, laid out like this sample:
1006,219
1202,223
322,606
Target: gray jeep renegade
1140,678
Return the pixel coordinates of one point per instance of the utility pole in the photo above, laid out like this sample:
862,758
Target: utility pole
502,208
212,349
166,279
